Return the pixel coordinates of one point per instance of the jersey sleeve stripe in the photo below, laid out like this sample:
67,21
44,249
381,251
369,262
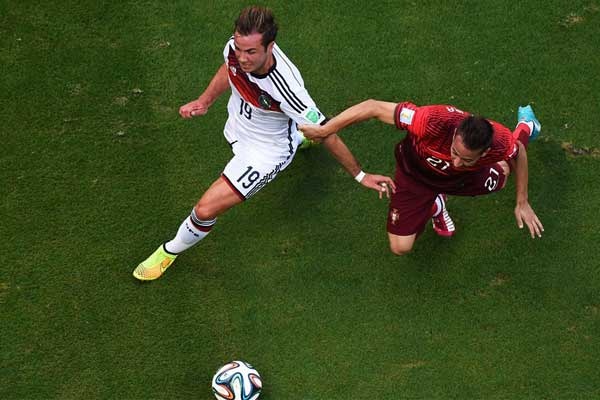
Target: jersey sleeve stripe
285,91
284,94
290,90
281,57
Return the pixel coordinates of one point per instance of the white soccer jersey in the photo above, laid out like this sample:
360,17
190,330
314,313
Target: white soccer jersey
264,110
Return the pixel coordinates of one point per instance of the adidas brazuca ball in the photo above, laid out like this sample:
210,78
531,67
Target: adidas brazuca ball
237,380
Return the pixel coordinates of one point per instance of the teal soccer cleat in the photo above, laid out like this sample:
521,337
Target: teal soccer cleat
525,114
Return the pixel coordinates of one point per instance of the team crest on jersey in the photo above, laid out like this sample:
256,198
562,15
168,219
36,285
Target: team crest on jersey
394,216
265,101
233,70
406,115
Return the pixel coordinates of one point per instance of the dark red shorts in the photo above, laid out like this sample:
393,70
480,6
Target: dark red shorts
410,207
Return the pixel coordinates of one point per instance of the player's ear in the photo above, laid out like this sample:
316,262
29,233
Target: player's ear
485,152
270,46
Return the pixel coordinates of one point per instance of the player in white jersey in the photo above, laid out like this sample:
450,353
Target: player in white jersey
264,113
268,100
261,106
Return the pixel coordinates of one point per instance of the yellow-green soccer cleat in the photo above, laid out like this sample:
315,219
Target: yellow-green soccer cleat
155,265
306,143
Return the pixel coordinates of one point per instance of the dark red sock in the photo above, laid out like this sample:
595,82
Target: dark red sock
522,132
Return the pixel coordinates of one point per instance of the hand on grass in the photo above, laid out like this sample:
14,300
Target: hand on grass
526,216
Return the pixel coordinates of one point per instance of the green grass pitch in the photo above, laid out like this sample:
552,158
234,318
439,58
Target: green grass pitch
97,169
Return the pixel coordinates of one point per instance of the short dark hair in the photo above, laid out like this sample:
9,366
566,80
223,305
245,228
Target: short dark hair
256,19
477,133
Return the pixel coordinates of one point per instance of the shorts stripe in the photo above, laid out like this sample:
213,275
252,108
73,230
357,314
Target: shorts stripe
265,179
290,140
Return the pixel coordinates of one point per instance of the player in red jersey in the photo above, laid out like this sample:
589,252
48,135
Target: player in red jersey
445,151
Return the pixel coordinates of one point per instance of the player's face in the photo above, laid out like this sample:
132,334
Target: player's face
251,53
462,156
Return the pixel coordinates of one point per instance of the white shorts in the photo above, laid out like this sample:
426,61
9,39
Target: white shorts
248,174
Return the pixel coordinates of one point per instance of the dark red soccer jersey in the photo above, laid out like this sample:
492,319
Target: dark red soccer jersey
425,151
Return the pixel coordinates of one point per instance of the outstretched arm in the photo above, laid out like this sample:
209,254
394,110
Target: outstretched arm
217,86
382,110
343,155
523,211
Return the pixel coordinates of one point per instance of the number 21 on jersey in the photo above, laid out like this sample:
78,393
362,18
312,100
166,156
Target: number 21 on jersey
438,163
492,180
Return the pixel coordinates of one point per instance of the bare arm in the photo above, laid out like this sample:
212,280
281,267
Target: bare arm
217,86
344,156
382,110
523,211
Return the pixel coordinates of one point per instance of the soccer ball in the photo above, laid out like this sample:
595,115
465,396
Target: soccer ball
237,380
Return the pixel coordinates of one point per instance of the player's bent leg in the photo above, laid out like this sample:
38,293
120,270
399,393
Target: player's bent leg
216,200
242,177
219,198
528,126
400,245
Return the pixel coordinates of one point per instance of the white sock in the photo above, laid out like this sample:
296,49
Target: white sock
191,231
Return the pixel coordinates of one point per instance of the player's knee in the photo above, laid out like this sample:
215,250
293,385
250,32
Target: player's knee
400,249
203,212
399,252
400,245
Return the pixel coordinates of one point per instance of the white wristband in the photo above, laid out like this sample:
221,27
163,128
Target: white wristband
360,176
